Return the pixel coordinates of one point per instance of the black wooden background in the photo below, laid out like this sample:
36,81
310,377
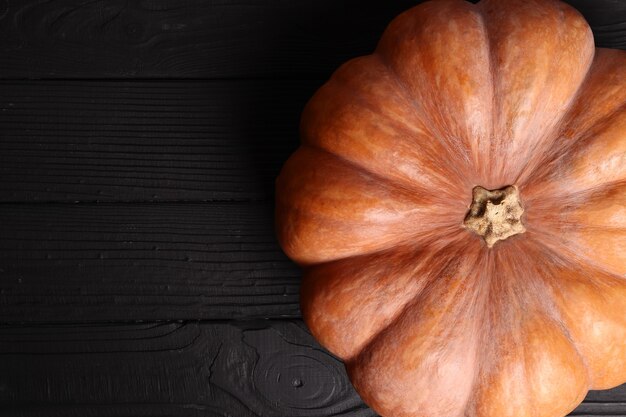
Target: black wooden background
139,142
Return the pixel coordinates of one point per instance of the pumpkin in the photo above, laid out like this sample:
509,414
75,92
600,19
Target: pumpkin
458,206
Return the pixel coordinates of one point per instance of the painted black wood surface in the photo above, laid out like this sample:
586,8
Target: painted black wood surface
139,142
233,368
254,368
76,262
209,140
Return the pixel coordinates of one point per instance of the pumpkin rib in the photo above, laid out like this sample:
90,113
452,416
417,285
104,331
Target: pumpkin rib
570,256
601,85
365,377
550,210
566,249
439,200
486,262
327,285
492,318
599,246
442,207
387,182
324,118
584,385
402,90
580,166
598,228
530,87
309,216
554,311
492,73
442,121
599,146
416,299
492,68
520,310
596,281
606,63
553,243
521,257
449,144
550,155
573,227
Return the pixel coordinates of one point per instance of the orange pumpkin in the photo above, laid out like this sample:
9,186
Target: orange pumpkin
458,205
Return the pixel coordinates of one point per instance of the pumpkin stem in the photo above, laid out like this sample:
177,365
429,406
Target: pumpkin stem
495,214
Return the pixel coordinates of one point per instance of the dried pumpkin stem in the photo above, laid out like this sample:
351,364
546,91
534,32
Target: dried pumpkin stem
495,214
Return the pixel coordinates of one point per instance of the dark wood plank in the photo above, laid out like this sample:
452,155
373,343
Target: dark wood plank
146,141
216,39
191,38
238,368
68,262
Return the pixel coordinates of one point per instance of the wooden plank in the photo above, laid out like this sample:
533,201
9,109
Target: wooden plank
85,262
146,141
216,39
190,38
237,368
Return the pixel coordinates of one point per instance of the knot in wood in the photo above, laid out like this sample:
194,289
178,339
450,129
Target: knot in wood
495,214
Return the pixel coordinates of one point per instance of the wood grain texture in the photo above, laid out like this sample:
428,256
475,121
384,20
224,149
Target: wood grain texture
146,141
69,262
190,38
259,368
237,368
215,39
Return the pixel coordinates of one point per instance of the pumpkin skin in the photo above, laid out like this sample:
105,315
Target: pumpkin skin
428,318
